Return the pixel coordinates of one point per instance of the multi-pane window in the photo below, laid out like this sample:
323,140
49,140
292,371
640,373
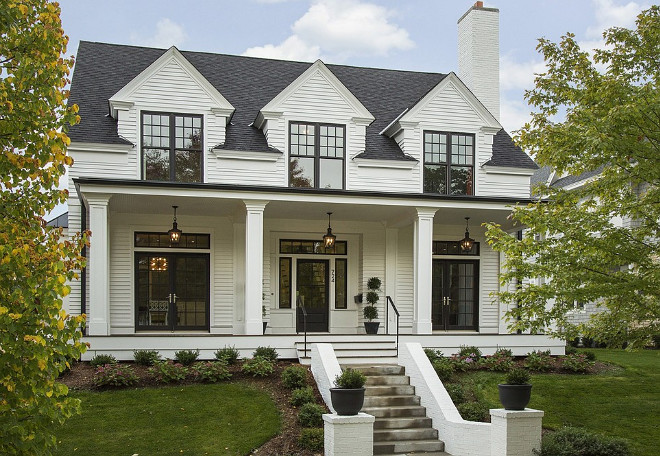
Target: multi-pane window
448,163
172,147
316,155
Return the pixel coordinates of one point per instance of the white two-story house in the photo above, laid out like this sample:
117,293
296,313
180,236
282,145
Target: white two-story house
254,153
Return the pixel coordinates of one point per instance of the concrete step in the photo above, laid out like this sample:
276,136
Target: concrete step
400,411
387,370
347,345
382,380
389,401
424,453
389,390
405,422
351,361
388,435
409,446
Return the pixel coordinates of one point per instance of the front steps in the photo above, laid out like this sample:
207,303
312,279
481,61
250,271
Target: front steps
401,425
353,349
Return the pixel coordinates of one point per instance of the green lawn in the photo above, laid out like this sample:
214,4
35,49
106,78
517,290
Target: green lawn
623,403
219,419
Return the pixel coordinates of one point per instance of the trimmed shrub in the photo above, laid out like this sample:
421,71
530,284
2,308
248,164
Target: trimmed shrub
473,411
501,361
228,354
433,354
444,368
350,379
570,350
456,392
577,363
569,441
268,353
186,357
114,375
470,351
258,367
518,376
211,371
168,372
294,377
540,361
311,439
146,357
591,356
102,360
302,396
311,415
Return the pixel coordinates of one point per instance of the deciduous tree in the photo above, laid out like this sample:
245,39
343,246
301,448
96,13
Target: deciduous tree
38,339
599,242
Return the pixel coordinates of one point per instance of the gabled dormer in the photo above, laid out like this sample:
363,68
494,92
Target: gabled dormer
319,124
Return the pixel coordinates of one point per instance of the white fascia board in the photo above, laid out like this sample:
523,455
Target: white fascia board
505,170
360,110
125,93
247,155
581,183
378,163
263,116
468,96
393,127
96,147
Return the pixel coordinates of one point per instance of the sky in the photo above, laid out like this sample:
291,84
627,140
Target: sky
416,35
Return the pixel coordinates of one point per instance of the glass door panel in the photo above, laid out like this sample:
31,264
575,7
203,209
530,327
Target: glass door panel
191,292
312,288
455,294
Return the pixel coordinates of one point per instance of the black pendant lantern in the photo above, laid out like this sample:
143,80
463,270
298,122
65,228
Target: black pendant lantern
175,232
467,242
329,238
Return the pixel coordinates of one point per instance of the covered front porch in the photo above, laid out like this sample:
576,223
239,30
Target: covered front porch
248,255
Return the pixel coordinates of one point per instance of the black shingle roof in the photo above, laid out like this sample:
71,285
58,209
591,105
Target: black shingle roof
249,83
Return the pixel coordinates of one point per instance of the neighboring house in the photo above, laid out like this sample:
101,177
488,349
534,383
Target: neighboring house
254,153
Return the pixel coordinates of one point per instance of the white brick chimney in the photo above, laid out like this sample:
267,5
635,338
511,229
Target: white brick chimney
479,54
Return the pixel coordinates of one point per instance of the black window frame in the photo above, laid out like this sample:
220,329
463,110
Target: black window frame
448,163
172,147
454,248
344,304
322,249
186,241
317,152
284,304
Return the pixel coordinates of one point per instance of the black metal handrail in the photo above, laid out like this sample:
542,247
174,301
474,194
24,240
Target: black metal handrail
391,303
300,302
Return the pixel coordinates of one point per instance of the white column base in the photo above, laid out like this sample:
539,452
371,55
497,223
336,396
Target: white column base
515,432
348,435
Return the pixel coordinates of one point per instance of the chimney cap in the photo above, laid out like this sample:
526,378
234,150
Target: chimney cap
479,5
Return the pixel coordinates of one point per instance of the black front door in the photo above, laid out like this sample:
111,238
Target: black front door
172,291
312,289
454,297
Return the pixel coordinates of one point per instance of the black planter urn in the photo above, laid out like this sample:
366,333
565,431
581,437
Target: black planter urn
371,327
347,401
515,397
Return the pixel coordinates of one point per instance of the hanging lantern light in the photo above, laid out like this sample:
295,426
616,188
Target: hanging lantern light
175,232
329,238
467,242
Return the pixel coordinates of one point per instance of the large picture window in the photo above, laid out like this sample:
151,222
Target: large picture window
172,147
448,163
316,155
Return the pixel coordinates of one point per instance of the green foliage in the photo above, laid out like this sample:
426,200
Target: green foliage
115,375
258,367
570,350
372,297
569,441
38,339
456,392
374,283
311,415
370,312
468,351
186,357
302,396
611,100
433,354
444,367
517,376
228,354
540,361
501,361
591,355
311,439
102,359
473,411
169,372
350,379
294,377
211,371
146,357
268,353
577,363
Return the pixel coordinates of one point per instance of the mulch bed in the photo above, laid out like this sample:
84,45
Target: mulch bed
81,377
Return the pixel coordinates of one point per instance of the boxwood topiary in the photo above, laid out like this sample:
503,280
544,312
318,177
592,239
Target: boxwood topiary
350,379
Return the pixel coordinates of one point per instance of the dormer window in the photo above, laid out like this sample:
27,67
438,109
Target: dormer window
448,163
172,147
316,155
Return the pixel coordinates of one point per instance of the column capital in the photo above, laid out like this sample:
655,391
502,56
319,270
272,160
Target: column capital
97,199
426,212
255,205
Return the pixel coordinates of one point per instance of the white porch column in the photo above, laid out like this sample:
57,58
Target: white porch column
254,265
391,248
423,253
98,306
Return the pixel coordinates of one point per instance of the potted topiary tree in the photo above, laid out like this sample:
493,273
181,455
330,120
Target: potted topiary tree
370,311
516,392
348,395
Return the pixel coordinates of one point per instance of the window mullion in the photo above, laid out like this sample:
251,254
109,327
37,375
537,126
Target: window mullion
450,138
317,155
172,153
